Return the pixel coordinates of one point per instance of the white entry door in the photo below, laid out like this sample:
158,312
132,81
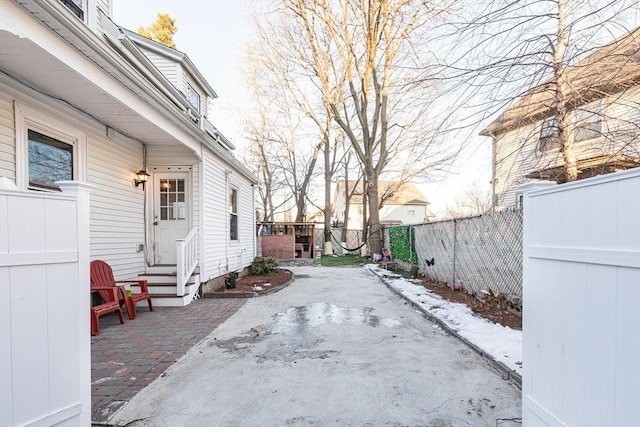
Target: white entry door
171,214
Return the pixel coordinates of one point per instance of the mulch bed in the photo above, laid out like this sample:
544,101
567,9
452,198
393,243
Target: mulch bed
253,285
494,308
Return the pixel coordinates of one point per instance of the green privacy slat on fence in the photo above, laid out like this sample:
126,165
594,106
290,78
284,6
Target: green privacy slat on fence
402,244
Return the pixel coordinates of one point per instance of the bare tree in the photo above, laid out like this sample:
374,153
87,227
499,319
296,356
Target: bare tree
553,55
475,201
262,154
360,53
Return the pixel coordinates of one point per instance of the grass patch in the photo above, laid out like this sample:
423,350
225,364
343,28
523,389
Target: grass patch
341,261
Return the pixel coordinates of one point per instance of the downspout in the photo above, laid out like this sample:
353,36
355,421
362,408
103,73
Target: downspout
253,203
145,208
204,270
226,226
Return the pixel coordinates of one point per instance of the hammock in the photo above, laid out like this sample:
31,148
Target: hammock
348,249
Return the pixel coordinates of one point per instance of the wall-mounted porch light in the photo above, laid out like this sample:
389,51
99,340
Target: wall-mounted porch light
141,178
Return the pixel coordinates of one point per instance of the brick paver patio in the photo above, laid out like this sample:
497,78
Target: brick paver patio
126,358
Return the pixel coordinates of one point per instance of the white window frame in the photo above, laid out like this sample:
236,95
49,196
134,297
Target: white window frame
191,90
411,211
28,118
236,214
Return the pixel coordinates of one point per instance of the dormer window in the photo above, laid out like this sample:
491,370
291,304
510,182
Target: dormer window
549,138
75,6
193,97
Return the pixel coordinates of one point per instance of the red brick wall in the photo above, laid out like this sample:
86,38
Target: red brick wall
279,246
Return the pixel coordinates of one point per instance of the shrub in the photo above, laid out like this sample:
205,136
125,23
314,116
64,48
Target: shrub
264,265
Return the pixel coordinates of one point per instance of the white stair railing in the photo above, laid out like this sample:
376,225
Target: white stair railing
187,259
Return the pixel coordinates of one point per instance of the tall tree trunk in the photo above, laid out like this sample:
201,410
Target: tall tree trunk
347,203
375,241
327,195
562,94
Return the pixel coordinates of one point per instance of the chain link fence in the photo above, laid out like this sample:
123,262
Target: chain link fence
481,252
354,240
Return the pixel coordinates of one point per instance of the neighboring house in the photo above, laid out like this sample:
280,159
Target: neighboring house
402,203
83,99
606,123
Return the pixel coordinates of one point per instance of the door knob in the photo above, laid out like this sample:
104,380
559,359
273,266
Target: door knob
155,222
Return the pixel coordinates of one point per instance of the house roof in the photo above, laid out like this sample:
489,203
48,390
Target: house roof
610,69
173,54
391,192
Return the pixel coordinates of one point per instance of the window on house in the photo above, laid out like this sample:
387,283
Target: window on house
233,214
588,122
50,160
193,97
549,138
75,6
412,212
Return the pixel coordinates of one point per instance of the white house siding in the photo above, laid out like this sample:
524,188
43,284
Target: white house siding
215,228
117,206
174,155
220,254
92,13
517,154
401,213
244,250
170,68
105,6
195,195
7,138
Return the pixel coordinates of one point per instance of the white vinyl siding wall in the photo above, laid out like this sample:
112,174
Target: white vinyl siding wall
7,138
215,229
517,151
117,206
168,67
170,156
220,254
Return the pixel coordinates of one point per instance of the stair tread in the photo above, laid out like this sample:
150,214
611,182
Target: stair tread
175,273
168,296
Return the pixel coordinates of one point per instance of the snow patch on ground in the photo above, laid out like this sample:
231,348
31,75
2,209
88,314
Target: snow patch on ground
501,342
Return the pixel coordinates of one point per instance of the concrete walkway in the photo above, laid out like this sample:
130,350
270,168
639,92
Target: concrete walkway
335,348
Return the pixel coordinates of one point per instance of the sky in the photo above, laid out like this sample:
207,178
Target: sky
213,32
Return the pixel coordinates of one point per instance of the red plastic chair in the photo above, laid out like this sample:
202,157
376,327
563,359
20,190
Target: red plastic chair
111,303
102,276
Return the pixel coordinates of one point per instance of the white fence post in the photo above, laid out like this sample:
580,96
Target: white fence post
81,192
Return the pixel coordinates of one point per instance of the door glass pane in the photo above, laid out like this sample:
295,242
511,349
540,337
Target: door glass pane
173,199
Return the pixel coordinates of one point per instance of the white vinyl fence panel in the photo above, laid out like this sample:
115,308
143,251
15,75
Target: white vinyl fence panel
45,354
581,324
